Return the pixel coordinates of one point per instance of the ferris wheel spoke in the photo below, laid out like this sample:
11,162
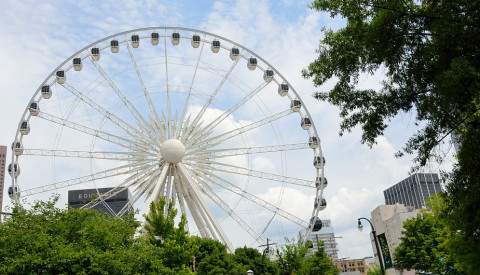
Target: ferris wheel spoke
130,156
198,132
129,129
184,110
153,112
226,185
205,209
229,168
141,122
214,94
169,111
210,142
154,194
121,170
229,152
126,143
205,188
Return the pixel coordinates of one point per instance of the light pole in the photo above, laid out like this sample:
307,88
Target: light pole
249,272
360,228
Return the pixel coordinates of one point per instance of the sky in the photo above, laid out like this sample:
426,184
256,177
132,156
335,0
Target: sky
36,36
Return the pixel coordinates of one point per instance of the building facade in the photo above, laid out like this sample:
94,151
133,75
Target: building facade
112,205
3,161
388,220
351,265
413,191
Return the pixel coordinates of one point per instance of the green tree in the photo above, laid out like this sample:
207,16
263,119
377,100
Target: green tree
212,259
178,248
375,270
428,51
318,263
48,240
252,259
291,256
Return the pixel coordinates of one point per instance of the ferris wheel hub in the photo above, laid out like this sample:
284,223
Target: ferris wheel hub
172,151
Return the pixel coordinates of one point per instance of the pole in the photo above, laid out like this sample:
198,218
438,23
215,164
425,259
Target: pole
380,258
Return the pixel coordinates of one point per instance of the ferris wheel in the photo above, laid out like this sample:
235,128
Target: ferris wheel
179,113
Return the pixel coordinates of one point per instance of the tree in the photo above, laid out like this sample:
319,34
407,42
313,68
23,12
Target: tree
178,248
429,51
318,263
252,259
213,259
291,256
48,240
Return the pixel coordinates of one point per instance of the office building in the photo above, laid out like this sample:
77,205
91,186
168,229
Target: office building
3,161
388,220
111,205
413,191
327,236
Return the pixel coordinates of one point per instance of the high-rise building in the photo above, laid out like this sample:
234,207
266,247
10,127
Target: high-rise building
388,220
413,191
112,205
3,160
327,236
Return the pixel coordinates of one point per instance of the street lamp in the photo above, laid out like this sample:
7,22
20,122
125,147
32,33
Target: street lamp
249,272
360,228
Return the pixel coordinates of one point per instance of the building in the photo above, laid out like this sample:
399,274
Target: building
388,220
351,266
327,236
112,205
3,161
413,191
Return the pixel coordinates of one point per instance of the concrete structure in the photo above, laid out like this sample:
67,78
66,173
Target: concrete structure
112,205
413,191
351,266
388,219
327,236
3,161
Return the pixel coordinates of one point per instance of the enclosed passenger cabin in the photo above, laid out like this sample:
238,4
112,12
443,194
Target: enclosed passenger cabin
154,38
318,161
316,224
77,64
46,92
11,192
17,147
14,169
175,38
215,46
318,183
135,40
252,63
283,89
313,142
234,53
95,53
306,123
295,105
114,46
268,75
195,41
34,108
61,78
25,127
321,205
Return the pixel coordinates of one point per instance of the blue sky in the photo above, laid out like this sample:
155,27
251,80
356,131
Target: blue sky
38,35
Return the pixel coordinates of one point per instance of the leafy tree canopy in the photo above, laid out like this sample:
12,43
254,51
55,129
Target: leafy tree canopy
429,52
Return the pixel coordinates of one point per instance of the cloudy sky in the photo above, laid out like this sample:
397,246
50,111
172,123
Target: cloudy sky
36,36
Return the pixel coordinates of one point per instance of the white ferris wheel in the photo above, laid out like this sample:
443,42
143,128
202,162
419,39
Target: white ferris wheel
180,113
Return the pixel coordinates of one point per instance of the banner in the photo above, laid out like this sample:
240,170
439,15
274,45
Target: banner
387,259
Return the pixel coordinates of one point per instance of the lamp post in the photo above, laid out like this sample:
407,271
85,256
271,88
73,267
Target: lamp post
360,228
249,272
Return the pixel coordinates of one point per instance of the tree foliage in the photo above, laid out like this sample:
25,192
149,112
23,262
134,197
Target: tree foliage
429,53
48,240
